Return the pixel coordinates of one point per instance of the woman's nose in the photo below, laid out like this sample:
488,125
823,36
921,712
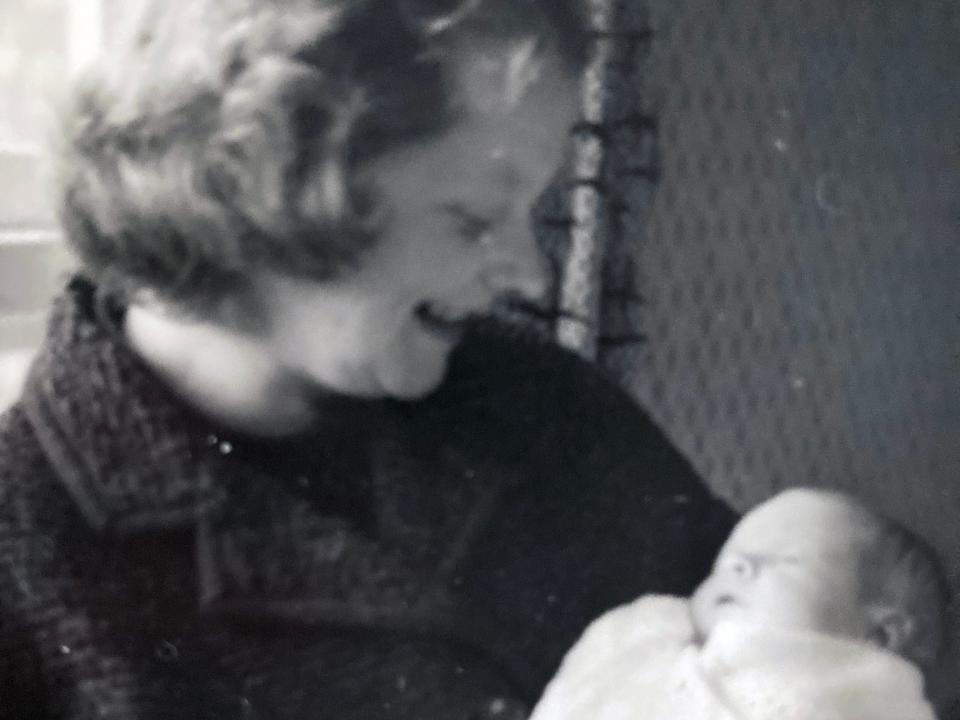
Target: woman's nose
517,266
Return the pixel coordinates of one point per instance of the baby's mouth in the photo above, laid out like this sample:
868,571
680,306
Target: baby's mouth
725,601
442,320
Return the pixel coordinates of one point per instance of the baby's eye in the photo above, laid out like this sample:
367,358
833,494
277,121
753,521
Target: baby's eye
740,567
467,225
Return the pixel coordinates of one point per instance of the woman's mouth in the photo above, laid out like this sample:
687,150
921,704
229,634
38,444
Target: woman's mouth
442,320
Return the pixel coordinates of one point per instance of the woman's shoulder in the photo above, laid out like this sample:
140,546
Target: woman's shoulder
512,359
547,403
503,364
591,467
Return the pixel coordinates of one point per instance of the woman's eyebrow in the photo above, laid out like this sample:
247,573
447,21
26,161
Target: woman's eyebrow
465,211
455,207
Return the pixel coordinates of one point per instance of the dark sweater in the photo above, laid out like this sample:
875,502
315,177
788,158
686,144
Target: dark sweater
426,561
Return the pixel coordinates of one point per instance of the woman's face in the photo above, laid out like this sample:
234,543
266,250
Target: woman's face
457,235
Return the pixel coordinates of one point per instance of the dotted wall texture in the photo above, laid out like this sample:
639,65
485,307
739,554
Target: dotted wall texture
795,233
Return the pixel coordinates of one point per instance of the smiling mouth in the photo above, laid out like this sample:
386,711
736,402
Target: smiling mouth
442,320
725,600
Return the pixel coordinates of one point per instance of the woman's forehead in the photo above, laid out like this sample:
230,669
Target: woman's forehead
495,79
513,122
500,76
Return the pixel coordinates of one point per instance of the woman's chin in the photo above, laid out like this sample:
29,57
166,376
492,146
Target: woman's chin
410,368
379,383
416,366
416,376
416,384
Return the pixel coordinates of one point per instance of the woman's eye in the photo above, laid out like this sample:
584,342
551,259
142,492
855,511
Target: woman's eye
472,228
467,225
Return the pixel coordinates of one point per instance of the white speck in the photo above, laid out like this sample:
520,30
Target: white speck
825,189
551,599
780,145
65,650
303,481
226,448
401,683
212,440
798,383
497,706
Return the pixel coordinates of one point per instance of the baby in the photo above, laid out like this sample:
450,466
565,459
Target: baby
817,609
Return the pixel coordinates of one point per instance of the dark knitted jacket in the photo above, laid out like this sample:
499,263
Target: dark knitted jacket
424,561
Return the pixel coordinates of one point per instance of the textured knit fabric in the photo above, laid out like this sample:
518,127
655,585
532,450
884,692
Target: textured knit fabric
413,561
640,662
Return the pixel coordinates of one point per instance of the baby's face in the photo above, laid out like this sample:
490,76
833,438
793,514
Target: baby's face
793,562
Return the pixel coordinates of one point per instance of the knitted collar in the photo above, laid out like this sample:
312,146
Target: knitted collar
130,454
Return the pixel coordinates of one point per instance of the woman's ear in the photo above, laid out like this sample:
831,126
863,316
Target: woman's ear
890,628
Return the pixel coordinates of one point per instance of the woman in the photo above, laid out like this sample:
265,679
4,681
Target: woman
266,465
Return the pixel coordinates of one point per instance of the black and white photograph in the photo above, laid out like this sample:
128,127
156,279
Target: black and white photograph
479,359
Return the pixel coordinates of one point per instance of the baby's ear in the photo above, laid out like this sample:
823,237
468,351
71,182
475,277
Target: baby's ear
891,629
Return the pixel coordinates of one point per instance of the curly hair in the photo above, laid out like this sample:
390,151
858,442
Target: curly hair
222,135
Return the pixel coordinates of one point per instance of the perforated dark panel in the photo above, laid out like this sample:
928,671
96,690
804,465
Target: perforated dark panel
800,255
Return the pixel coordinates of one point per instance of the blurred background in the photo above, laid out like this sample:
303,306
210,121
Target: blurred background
784,179
768,252
42,43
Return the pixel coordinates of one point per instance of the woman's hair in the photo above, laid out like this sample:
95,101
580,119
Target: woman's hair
221,135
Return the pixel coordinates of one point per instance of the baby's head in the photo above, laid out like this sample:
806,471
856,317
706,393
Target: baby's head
819,561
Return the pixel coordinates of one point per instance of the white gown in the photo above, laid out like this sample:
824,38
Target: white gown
640,662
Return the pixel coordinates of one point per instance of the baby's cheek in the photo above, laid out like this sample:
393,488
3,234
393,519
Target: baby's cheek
718,588
701,606
703,588
699,595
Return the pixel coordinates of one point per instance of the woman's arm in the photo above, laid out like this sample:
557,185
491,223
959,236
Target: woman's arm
604,508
